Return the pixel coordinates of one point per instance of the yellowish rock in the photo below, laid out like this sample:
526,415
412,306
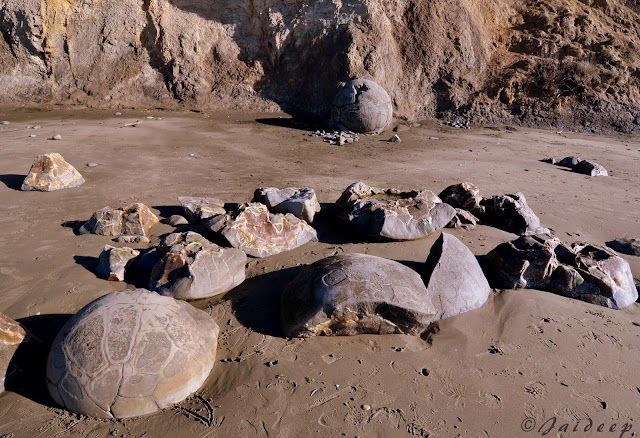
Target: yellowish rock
51,172
11,336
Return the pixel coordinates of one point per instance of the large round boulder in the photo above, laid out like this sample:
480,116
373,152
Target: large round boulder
131,353
362,106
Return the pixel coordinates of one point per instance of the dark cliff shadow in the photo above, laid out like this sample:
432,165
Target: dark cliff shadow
256,302
28,366
14,182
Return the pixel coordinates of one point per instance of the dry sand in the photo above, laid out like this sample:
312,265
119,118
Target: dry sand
524,354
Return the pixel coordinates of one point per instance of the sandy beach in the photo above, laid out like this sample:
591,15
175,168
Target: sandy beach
525,364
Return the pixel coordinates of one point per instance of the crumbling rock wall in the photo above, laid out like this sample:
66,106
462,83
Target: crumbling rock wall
543,61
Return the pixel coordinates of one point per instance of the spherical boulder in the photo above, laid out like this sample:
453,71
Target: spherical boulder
131,353
362,106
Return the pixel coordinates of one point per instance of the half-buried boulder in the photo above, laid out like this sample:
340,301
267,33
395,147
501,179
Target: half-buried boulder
11,336
302,203
454,279
131,353
51,172
113,262
581,271
393,214
362,106
350,294
134,220
259,233
193,268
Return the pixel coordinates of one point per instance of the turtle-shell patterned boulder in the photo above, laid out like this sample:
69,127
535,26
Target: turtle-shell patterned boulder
131,353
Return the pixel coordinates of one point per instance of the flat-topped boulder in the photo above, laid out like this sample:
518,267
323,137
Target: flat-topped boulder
191,267
131,353
300,202
114,262
362,106
582,271
351,294
260,233
199,209
51,172
133,220
393,214
11,336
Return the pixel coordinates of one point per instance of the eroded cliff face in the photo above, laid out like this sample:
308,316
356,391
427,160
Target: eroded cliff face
495,60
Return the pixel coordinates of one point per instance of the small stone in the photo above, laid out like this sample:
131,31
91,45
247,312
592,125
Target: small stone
6,122
92,164
113,262
56,137
32,135
176,220
395,139
132,239
591,168
118,113
51,172
549,160
366,407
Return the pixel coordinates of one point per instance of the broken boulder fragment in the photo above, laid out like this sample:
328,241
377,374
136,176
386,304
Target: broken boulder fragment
629,246
591,168
351,294
302,203
114,262
464,195
393,214
259,233
511,213
582,271
463,219
51,172
193,267
134,220
568,162
198,209
11,336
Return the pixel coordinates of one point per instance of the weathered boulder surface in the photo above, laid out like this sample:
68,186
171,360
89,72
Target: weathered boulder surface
362,106
454,279
259,233
11,336
511,213
193,268
134,220
393,214
591,168
131,353
302,203
350,294
198,209
464,195
568,162
629,246
114,262
463,219
51,172
586,272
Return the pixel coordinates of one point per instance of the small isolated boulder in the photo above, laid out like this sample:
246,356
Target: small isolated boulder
113,262
193,268
511,213
464,195
454,279
51,172
351,294
302,203
569,162
131,353
629,246
11,336
134,220
582,271
176,220
591,168
199,209
259,233
362,106
393,214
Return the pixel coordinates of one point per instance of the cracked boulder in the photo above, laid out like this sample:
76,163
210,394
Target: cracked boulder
131,353
352,294
581,271
114,262
591,168
51,172
393,214
192,267
302,203
259,233
134,220
511,213
362,106
454,279
11,336
465,196
198,209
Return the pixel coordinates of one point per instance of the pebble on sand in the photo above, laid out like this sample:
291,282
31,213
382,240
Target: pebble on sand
56,137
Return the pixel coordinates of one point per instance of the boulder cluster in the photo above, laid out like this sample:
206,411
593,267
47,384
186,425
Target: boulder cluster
585,167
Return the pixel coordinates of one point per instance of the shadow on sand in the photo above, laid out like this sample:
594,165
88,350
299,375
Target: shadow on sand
14,182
